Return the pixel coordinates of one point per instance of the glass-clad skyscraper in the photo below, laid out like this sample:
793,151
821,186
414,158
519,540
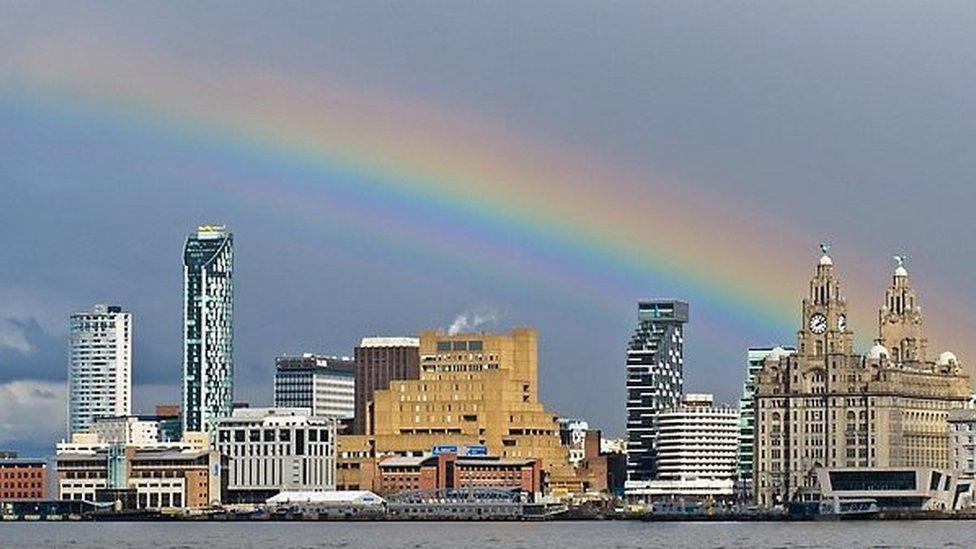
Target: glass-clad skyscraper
747,417
208,327
655,358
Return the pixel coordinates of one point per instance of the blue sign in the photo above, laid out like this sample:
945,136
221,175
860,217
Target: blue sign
477,450
444,449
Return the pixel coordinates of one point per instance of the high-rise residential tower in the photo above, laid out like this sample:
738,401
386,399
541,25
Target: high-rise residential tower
655,358
326,385
100,366
208,327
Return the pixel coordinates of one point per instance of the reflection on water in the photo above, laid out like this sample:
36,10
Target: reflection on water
560,535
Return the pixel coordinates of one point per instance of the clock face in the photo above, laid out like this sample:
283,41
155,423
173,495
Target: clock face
818,323
842,323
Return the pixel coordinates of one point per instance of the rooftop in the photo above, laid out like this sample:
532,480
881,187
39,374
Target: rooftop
390,342
332,496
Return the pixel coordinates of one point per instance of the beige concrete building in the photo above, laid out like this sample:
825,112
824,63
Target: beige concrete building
473,389
827,407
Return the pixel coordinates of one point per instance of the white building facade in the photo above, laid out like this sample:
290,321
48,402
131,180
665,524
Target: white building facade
962,429
129,430
572,434
100,365
271,450
696,452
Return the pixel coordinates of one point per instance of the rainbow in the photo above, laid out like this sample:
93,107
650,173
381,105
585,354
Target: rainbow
447,179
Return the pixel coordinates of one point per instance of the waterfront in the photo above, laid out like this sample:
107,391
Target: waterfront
563,535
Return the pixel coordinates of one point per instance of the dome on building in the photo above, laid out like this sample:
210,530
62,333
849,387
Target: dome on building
776,354
877,351
901,271
947,358
825,260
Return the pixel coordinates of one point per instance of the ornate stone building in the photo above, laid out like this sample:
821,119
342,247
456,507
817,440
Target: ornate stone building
826,406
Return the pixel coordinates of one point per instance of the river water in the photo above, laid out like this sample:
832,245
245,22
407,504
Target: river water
463,535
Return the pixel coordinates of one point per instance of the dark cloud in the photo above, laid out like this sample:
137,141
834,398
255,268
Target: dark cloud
41,357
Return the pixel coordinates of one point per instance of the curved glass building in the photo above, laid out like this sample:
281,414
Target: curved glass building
208,327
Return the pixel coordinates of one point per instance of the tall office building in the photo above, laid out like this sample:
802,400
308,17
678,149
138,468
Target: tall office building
747,416
380,360
655,358
326,385
825,408
208,327
100,365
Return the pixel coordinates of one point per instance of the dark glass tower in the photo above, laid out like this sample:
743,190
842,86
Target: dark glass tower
655,358
208,327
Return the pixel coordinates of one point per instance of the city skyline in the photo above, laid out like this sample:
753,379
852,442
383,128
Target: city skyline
461,322
448,173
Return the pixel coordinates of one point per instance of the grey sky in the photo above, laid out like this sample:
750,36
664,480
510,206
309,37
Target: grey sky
849,121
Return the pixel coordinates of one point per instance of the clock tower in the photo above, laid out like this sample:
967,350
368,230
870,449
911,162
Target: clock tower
824,330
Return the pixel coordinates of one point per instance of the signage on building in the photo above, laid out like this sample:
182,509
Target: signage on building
444,449
477,450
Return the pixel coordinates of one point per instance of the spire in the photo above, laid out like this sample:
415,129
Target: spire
824,287
900,318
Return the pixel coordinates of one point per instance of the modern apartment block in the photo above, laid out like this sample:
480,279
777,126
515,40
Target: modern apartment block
747,416
326,385
380,360
697,445
655,362
826,408
208,327
274,449
100,365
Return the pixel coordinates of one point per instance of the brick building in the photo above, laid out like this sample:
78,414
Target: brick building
380,360
156,478
450,471
23,479
602,472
